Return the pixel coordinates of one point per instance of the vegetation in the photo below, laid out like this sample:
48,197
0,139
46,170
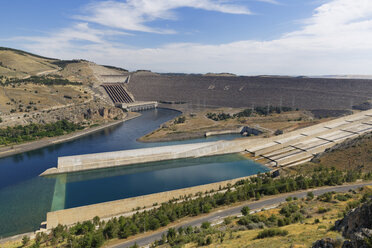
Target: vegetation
218,117
44,80
64,63
271,233
180,120
353,154
259,110
19,134
94,233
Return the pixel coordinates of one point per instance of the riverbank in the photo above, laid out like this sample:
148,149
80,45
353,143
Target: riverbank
29,146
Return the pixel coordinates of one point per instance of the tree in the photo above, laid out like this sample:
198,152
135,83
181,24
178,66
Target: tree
96,220
310,195
258,196
245,210
206,225
171,234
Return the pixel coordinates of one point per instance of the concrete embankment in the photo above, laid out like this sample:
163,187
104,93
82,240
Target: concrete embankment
136,156
121,207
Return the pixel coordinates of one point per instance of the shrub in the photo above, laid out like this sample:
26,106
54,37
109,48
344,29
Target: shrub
180,120
25,240
326,197
205,225
322,210
310,195
271,232
342,197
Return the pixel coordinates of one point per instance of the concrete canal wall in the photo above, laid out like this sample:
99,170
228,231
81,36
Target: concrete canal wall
136,156
120,207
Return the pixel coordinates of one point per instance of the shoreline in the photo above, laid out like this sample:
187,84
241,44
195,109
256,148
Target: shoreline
37,144
170,137
186,136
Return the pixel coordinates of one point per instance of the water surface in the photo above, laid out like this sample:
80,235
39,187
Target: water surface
25,198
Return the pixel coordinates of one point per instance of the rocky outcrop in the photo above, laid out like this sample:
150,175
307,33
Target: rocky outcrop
103,113
357,225
88,113
327,243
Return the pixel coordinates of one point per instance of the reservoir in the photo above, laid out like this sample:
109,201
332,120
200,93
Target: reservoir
25,198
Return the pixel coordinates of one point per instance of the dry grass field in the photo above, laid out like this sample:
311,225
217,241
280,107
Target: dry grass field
197,124
41,97
355,154
18,64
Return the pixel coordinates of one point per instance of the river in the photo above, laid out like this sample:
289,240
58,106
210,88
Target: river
25,198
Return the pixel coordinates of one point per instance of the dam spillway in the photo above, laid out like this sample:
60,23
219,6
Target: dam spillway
284,150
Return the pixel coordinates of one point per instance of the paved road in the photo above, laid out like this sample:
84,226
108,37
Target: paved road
233,211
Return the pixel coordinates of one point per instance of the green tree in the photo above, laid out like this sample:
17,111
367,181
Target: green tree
245,210
205,225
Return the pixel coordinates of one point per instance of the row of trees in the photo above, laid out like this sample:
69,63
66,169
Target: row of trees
44,80
19,134
259,110
86,235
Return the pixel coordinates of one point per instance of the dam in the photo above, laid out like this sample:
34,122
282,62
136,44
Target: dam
288,149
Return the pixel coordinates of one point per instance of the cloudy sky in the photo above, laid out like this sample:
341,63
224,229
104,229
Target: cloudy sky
246,37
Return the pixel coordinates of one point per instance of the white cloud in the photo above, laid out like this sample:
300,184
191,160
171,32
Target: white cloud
135,14
336,39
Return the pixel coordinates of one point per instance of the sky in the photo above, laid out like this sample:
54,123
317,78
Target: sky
245,37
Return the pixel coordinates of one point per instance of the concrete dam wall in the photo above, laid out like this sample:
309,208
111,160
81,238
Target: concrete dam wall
303,93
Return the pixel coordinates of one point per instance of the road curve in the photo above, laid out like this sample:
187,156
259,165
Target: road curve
233,211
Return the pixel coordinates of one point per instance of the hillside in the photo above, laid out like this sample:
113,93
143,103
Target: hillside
36,89
351,154
19,64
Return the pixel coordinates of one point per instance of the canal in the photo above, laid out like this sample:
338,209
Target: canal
25,198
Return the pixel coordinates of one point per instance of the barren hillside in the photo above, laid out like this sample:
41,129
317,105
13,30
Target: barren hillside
36,89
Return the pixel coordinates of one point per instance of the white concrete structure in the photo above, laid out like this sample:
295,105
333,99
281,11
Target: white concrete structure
284,150
137,106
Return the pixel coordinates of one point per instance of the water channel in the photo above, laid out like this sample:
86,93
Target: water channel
25,198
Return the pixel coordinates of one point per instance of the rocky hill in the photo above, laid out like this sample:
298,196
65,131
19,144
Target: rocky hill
357,226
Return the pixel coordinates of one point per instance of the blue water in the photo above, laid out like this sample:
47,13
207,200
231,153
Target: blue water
156,177
25,198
